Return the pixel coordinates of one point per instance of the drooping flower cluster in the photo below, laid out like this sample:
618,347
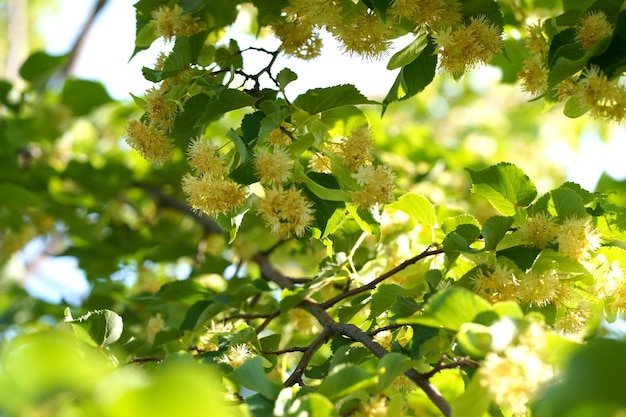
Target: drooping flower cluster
590,89
377,186
462,45
274,167
286,212
515,375
210,192
150,141
593,27
577,238
606,98
539,230
465,46
498,285
172,22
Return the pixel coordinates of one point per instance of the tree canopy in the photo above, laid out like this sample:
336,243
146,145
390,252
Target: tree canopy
248,251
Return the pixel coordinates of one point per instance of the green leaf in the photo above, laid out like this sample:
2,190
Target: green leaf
409,53
474,402
285,76
17,198
40,67
574,107
571,58
419,208
98,328
567,203
272,121
488,8
318,100
184,54
383,298
329,194
186,125
251,375
613,60
324,209
450,308
612,224
83,96
187,291
344,379
450,224
506,187
389,367
228,100
494,230
592,378
250,125
413,77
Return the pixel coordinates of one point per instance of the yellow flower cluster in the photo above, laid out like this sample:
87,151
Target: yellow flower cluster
577,238
150,141
591,88
592,29
160,110
204,158
169,23
273,167
279,136
286,211
426,12
539,230
502,283
534,75
298,39
377,186
210,192
365,35
213,196
543,288
515,375
498,285
356,149
606,98
466,46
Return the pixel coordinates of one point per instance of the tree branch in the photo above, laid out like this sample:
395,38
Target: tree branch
318,342
330,327
371,285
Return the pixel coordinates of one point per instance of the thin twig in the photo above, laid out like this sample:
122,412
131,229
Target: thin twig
457,363
268,320
143,359
318,342
371,285
288,350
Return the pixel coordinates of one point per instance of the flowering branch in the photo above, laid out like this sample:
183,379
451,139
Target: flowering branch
330,327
